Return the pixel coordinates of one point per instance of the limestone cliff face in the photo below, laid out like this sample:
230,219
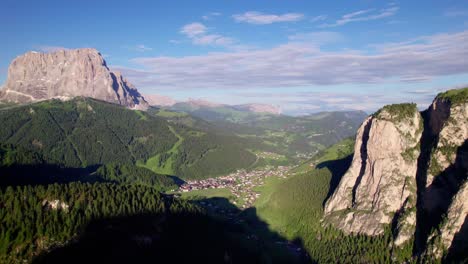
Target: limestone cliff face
445,197
449,123
453,232
381,181
65,74
411,171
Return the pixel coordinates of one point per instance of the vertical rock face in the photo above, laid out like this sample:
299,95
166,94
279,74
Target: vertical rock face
445,197
448,122
453,232
65,74
381,181
411,173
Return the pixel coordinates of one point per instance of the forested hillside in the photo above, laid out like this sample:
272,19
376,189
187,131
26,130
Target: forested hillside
83,134
299,137
294,208
109,223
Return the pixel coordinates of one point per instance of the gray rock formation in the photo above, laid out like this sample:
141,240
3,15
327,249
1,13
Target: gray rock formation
450,233
65,74
445,196
381,182
449,123
410,171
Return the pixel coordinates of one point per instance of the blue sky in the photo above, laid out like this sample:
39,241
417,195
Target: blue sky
304,56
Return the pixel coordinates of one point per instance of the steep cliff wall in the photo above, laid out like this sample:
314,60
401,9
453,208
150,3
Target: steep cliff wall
65,74
409,170
381,182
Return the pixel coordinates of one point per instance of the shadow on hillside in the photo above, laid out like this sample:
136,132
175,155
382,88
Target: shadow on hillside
459,248
43,174
231,236
178,181
337,168
40,174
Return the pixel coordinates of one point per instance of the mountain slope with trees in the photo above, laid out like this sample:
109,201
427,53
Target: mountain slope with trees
85,133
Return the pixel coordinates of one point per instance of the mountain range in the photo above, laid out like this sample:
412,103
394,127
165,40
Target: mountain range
88,165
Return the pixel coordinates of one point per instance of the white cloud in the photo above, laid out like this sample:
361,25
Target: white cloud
138,48
318,38
297,103
46,48
259,18
319,18
456,12
363,15
193,29
213,39
142,48
299,64
211,15
198,33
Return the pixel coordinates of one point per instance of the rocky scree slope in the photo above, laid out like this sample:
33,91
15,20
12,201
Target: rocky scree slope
409,173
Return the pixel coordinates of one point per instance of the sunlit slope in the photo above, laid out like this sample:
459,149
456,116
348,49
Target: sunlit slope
294,208
86,133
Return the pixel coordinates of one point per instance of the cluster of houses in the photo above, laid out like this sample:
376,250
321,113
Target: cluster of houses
241,184
306,155
270,155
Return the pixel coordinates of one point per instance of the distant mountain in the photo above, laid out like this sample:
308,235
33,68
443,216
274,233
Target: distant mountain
159,100
66,74
259,108
213,110
297,135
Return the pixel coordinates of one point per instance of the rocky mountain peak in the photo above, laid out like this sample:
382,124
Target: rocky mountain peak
66,74
381,180
159,100
409,172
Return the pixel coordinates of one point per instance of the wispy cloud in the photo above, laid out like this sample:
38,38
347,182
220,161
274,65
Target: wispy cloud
363,15
318,18
46,48
193,29
300,103
304,65
142,48
199,35
317,38
137,48
174,41
258,18
211,15
456,12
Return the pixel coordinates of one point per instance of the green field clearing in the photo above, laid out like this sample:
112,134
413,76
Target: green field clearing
208,193
165,168
169,114
141,115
